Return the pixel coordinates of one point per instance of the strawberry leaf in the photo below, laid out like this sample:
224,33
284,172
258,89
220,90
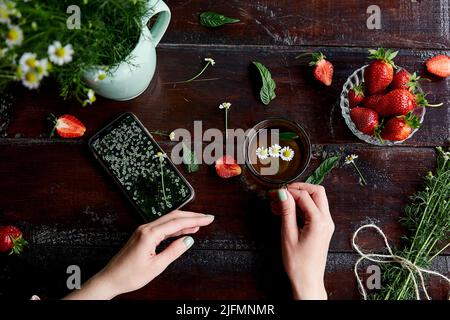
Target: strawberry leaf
213,19
288,136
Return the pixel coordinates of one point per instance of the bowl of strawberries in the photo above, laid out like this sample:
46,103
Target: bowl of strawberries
381,103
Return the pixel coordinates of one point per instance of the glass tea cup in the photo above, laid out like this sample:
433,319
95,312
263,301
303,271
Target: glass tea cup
290,152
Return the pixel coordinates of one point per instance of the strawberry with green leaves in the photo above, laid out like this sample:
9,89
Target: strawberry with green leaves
11,240
405,80
380,73
400,128
395,103
356,95
323,69
67,126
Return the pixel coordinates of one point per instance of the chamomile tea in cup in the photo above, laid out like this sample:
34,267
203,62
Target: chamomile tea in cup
277,151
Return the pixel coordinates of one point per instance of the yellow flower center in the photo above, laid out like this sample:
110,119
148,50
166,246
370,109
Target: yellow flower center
4,14
60,52
12,35
31,62
287,153
31,77
101,76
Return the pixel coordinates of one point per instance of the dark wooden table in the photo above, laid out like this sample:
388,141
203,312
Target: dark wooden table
72,213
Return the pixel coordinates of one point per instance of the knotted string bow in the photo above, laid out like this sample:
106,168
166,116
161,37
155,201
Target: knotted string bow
392,258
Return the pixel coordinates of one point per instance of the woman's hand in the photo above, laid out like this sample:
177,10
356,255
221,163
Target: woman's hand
304,249
137,263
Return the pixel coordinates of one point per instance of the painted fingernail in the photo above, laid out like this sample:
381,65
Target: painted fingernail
278,195
188,241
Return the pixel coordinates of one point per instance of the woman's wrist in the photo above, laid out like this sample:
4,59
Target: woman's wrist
96,288
309,291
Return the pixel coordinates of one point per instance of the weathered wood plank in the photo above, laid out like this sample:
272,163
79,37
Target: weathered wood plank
167,106
199,274
60,195
408,24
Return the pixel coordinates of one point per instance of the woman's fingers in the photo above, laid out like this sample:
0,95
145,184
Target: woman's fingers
317,193
283,204
173,252
306,204
174,215
174,226
186,231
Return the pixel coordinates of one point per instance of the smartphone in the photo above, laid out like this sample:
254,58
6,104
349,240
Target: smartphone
128,152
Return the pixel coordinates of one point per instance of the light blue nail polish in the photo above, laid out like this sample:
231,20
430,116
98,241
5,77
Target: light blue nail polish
188,241
278,195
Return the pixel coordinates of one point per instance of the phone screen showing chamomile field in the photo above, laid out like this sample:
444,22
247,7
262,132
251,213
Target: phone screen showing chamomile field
138,164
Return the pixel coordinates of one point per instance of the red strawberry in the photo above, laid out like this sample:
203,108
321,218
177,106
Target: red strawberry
371,102
439,66
379,74
67,126
399,128
356,95
11,240
404,80
366,120
323,69
227,167
396,103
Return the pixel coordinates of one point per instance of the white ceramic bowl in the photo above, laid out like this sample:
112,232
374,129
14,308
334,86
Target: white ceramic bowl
356,78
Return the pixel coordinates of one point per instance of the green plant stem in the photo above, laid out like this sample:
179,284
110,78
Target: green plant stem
360,174
162,179
160,133
226,124
198,75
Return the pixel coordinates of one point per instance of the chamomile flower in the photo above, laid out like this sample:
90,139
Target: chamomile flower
286,154
28,61
225,105
90,97
172,136
43,67
3,52
100,75
210,60
160,155
262,153
274,151
14,36
30,79
60,55
350,158
4,13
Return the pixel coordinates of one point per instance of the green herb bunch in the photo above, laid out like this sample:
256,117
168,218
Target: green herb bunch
428,220
36,41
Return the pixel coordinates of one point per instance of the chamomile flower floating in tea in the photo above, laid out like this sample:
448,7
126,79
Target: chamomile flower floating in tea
287,154
274,151
60,55
262,153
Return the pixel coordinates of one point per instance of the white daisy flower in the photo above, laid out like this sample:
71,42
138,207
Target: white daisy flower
43,67
90,97
350,158
100,75
160,155
262,153
3,52
60,55
211,60
14,36
225,105
287,154
274,150
172,136
30,79
28,61
4,14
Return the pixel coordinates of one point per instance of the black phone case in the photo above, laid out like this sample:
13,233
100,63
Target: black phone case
109,127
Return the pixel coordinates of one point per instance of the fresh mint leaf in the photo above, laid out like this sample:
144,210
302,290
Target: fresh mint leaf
325,167
189,160
288,136
267,92
213,19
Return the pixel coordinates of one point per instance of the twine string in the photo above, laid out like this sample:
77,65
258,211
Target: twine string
414,270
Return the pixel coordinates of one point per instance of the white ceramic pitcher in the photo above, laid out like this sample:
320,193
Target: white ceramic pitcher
129,79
